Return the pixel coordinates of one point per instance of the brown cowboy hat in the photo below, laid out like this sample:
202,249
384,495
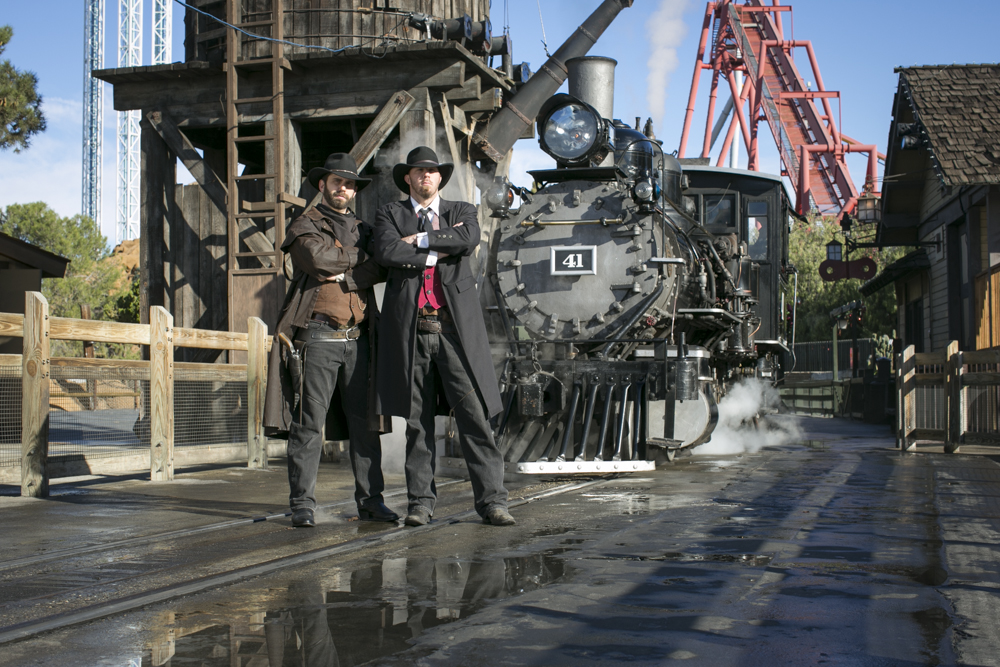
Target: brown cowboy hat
340,164
423,157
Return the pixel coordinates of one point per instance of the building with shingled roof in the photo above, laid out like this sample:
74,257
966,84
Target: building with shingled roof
941,194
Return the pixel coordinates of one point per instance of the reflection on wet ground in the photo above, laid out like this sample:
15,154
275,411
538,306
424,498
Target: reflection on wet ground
356,616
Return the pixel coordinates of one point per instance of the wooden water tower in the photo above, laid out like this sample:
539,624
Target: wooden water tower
259,102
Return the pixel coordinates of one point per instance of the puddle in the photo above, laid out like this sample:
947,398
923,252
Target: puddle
352,617
555,530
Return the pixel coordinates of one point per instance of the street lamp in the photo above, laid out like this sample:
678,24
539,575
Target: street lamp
868,209
835,250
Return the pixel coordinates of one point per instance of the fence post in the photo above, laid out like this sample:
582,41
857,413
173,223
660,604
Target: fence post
256,382
35,397
161,395
953,399
906,371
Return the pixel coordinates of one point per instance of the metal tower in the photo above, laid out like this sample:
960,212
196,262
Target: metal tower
129,55
93,108
749,39
161,31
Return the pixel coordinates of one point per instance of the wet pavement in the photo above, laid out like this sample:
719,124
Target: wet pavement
835,549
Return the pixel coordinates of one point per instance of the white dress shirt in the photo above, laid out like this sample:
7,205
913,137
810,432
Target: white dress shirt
432,256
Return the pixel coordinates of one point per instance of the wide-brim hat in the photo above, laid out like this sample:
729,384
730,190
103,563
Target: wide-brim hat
422,157
339,164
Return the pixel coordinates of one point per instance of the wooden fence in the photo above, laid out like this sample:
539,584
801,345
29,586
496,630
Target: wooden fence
987,309
955,374
37,329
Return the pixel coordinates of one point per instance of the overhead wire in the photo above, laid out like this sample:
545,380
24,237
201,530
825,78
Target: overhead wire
545,44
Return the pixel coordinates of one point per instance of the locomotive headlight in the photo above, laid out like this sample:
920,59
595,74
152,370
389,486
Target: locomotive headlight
499,197
644,191
572,132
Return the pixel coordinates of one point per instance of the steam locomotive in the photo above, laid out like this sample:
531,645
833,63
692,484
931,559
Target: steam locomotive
628,291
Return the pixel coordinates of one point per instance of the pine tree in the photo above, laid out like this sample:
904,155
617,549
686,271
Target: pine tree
20,104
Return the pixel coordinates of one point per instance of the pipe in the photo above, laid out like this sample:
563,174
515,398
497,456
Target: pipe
509,124
568,433
639,312
621,421
605,418
588,416
637,420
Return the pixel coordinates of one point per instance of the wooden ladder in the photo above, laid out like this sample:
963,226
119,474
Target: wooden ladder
255,259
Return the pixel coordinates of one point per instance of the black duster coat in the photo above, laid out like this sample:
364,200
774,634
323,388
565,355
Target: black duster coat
310,242
406,264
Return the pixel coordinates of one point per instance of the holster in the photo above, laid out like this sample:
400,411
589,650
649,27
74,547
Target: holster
293,360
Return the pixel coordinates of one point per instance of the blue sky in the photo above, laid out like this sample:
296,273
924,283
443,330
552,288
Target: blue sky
858,43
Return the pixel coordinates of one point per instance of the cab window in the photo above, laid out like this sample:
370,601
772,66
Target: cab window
719,210
757,229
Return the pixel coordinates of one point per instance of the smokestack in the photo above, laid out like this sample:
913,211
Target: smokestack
592,80
519,112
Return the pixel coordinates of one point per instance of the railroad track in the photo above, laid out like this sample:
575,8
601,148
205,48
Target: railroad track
228,575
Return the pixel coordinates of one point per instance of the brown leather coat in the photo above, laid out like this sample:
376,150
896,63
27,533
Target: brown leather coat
310,241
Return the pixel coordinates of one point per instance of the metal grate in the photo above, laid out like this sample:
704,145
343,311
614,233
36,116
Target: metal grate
96,411
929,407
208,411
10,415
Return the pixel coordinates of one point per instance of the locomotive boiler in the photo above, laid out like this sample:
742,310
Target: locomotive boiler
628,291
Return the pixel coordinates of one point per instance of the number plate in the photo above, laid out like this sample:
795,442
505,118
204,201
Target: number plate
574,260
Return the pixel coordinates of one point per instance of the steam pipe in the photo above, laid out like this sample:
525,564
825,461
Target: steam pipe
608,399
568,433
621,421
519,112
588,416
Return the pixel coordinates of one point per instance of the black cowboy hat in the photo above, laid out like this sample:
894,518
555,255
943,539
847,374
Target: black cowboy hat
342,165
424,157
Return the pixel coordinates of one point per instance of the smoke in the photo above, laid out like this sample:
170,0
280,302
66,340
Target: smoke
736,432
666,31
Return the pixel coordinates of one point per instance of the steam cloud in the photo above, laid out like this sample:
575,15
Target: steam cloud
736,434
666,31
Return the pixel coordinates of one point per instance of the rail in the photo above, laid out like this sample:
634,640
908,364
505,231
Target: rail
26,381
962,389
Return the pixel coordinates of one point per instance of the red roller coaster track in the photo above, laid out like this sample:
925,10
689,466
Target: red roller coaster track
749,38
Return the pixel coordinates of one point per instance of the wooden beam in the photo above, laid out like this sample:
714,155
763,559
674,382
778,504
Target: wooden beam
161,391
906,369
209,340
206,178
954,403
383,125
456,157
35,397
256,381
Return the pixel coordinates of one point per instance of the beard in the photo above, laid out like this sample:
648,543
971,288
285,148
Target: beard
424,190
336,200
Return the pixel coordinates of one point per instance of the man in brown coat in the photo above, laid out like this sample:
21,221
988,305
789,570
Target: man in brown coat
330,312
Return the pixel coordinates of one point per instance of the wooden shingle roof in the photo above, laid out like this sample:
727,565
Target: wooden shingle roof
958,107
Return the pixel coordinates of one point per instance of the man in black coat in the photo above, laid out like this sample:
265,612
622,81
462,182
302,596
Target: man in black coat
330,311
433,336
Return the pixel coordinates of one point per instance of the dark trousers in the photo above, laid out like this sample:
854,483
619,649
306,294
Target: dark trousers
440,358
327,365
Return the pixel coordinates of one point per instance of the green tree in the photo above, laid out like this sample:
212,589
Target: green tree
817,297
20,104
93,277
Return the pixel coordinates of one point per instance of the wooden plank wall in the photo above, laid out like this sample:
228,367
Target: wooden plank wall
337,24
197,261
